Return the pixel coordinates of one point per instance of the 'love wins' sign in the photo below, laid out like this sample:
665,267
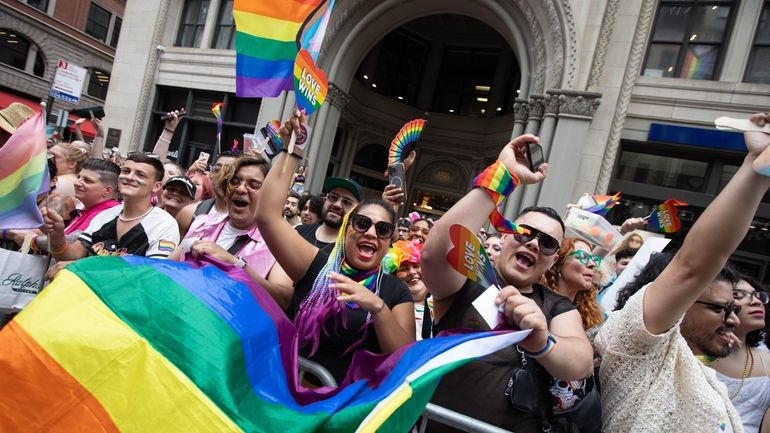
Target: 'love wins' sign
310,83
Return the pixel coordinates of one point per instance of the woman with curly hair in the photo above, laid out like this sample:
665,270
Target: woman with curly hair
572,276
745,370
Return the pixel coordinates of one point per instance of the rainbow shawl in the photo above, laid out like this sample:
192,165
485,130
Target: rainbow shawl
23,175
132,344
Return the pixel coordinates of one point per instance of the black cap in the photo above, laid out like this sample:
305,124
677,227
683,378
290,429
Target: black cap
184,180
345,183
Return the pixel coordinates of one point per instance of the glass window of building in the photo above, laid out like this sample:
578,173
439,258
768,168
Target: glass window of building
98,23
193,21
98,83
758,68
16,50
41,5
465,83
224,35
688,39
116,32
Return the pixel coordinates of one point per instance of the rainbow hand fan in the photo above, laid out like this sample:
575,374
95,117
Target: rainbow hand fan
404,142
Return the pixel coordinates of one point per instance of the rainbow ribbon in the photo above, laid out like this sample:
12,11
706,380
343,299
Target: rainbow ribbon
498,182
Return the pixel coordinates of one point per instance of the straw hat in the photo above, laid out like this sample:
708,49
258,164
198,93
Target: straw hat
13,115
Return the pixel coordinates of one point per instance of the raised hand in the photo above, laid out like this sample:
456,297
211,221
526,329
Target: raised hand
514,157
351,291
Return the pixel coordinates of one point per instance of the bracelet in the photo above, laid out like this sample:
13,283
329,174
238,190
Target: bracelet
168,130
63,249
550,342
166,140
374,313
498,182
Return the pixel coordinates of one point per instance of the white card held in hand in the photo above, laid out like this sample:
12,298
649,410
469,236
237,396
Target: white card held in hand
485,305
745,125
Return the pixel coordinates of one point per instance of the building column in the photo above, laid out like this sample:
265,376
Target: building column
576,109
520,116
547,129
348,152
211,23
321,142
536,109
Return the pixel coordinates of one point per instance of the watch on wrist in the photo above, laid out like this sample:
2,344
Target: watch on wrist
240,262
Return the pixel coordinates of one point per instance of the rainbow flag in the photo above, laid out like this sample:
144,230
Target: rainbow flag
23,175
665,216
603,203
269,33
131,344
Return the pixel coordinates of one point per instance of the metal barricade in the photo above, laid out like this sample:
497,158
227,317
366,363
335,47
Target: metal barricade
432,412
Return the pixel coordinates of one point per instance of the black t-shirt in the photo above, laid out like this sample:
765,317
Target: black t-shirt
331,348
477,389
307,231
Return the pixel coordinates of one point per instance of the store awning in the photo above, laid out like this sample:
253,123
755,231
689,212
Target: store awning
7,99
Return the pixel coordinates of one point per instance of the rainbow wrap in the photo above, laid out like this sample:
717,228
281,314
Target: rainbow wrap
498,182
23,175
132,344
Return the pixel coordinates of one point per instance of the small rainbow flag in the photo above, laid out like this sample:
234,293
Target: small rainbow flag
269,33
132,344
665,216
404,142
603,203
23,175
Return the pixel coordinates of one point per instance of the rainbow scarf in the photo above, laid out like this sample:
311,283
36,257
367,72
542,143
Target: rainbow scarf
132,344
269,33
368,279
23,175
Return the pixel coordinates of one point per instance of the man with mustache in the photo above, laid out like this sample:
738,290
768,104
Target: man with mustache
340,196
135,227
291,209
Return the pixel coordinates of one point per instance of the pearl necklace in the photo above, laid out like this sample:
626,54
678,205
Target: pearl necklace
128,220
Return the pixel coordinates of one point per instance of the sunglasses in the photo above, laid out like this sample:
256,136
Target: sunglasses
547,244
726,309
745,296
361,224
584,258
332,198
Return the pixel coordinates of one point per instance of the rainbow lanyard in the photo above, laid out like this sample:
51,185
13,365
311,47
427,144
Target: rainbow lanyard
368,279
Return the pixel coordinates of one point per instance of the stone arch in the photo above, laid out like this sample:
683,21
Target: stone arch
444,173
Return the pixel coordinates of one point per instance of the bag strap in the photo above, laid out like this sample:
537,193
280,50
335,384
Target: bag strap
238,245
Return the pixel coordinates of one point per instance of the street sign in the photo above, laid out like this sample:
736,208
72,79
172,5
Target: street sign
68,82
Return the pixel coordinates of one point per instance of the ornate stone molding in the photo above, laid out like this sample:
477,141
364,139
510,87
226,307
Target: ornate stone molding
577,103
536,107
633,67
571,46
337,97
551,102
540,52
520,110
148,80
556,59
602,45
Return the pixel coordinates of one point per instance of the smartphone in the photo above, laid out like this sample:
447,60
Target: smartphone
90,113
396,174
534,155
203,156
181,113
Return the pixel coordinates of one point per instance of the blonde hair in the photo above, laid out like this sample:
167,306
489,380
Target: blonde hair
77,151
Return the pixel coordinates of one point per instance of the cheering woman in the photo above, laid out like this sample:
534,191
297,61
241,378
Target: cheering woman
341,300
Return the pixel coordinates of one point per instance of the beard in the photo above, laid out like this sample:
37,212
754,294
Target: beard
332,221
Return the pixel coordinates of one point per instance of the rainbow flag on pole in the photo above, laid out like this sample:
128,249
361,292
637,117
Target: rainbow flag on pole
665,216
23,175
131,344
269,33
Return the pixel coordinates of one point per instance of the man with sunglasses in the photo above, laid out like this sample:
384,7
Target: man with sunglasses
557,346
340,196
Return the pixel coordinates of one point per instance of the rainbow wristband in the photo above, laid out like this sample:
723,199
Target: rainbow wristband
550,342
498,182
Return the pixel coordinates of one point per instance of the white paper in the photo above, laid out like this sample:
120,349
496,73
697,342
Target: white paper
485,305
650,245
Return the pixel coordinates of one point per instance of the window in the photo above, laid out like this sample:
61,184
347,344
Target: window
41,5
225,32
369,166
688,38
17,51
465,82
98,83
98,23
193,21
758,68
663,171
116,32
397,68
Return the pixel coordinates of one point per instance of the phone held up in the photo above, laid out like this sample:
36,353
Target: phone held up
534,155
181,113
396,174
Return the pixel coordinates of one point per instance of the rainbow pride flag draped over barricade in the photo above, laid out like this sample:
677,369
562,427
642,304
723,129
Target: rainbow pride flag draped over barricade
131,344
269,33
23,175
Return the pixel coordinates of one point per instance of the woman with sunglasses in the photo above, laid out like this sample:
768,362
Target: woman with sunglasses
341,300
745,370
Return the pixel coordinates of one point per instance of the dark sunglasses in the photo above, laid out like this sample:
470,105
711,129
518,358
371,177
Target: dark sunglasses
726,309
361,224
547,244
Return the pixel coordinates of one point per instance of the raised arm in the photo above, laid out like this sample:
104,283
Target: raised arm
289,248
164,141
97,146
472,211
710,242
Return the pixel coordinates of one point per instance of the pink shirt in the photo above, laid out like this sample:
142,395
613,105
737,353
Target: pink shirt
80,223
255,252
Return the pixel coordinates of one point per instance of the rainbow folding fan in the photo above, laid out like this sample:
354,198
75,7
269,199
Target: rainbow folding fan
404,142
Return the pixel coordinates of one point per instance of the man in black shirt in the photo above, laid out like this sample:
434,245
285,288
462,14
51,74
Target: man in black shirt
340,196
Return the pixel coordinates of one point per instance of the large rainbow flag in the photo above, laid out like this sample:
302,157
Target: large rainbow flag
269,33
23,175
131,344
